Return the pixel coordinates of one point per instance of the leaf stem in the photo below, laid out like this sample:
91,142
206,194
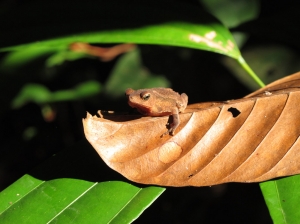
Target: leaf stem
246,67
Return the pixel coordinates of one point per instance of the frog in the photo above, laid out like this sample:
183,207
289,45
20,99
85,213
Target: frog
157,102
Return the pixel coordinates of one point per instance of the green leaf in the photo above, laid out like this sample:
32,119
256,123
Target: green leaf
211,37
181,25
177,24
61,56
129,72
40,94
116,21
233,12
29,200
18,58
283,199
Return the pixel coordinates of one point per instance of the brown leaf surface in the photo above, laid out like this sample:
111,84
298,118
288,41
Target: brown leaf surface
252,139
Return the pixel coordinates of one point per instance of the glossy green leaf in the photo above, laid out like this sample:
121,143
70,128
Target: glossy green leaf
181,25
29,200
40,94
147,22
233,13
211,37
283,199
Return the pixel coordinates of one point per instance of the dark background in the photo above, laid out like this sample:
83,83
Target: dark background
59,148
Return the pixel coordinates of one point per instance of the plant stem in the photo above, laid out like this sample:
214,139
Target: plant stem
245,66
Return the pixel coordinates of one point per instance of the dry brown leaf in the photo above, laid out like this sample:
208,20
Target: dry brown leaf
104,53
252,139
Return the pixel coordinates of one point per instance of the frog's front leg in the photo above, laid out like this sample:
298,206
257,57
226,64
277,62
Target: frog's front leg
175,123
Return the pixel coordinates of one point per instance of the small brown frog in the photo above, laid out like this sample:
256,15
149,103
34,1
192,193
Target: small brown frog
158,102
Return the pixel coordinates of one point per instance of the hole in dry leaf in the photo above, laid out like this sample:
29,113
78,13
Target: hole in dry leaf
235,112
191,175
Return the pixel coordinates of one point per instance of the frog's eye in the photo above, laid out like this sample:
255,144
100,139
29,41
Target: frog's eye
145,96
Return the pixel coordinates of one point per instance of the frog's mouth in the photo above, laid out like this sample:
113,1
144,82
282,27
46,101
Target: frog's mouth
142,109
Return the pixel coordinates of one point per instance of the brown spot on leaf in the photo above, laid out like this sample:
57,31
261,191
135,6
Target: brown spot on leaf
169,152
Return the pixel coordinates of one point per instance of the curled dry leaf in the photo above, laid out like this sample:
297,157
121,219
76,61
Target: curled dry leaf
252,139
